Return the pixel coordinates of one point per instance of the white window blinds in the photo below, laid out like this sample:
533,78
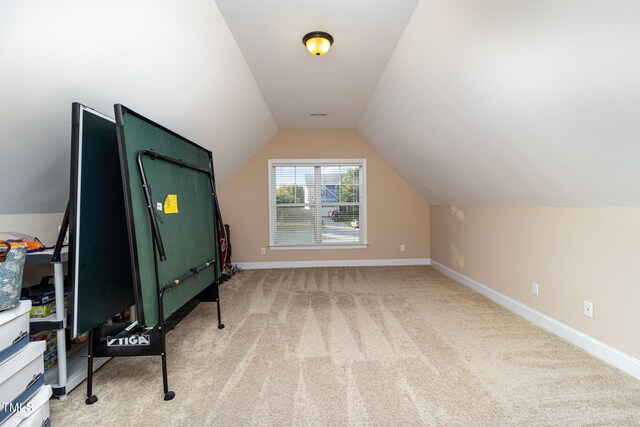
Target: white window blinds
317,203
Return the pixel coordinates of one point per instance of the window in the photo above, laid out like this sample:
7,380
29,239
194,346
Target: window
317,204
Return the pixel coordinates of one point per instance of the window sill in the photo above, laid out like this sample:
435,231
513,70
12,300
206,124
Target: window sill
297,248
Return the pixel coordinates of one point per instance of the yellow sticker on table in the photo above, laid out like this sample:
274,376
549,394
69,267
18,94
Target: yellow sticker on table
171,204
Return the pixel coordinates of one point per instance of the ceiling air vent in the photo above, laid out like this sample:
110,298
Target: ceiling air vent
317,114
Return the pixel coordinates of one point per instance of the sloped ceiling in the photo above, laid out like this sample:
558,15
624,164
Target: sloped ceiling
295,83
514,102
495,102
173,61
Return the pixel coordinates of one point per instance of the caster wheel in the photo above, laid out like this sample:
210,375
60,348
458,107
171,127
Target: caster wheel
221,326
170,395
91,399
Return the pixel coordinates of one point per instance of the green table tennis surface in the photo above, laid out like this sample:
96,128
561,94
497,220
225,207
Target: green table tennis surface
189,235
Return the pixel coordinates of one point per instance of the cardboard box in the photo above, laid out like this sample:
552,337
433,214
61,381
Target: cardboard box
43,298
50,339
14,329
43,310
21,377
35,413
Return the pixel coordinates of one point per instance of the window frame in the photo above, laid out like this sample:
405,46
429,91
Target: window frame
362,162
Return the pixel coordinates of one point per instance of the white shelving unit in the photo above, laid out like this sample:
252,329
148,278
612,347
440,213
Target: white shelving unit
72,367
76,367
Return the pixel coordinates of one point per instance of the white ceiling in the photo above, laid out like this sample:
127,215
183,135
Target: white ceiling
514,102
295,83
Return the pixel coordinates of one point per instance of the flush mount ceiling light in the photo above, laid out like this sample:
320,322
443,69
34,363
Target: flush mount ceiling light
317,42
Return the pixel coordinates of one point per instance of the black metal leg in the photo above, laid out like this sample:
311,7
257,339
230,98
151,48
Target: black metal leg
220,324
91,398
168,395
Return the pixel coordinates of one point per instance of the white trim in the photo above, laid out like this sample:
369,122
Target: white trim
322,162
602,351
76,235
97,113
298,248
312,162
334,263
272,203
363,203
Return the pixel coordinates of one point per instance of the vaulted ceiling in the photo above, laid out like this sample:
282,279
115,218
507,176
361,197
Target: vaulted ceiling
507,102
295,83
514,102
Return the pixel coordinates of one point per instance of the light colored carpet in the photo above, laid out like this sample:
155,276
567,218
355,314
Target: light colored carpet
357,346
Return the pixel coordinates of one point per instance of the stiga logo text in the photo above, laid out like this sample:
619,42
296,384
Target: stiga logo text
129,341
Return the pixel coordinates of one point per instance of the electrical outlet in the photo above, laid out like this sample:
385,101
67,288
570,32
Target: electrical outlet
263,251
535,287
588,309
403,248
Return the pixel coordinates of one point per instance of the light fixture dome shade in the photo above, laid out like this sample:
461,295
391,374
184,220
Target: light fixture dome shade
317,42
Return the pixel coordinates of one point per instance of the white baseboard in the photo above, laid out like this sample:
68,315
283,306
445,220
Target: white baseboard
614,357
334,263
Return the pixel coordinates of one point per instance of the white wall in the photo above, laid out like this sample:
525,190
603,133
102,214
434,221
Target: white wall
173,61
